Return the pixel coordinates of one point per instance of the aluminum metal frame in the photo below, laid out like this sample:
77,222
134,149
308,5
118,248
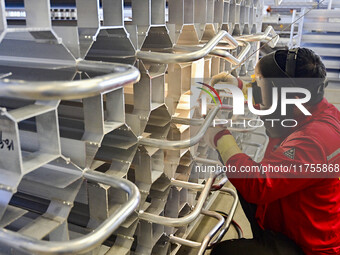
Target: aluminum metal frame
106,122
84,243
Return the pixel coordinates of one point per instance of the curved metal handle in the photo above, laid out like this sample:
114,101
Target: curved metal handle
85,243
199,187
265,36
176,145
221,52
118,76
169,58
178,222
230,217
207,238
229,57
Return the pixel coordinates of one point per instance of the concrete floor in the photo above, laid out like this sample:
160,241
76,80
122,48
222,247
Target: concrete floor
222,203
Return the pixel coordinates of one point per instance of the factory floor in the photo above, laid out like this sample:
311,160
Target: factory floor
223,203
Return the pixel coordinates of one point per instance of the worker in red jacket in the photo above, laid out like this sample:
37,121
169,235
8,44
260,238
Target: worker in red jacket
296,211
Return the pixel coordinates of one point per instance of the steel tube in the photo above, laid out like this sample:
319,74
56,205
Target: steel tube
119,75
168,58
87,242
261,37
206,239
220,184
230,58
207,161
230,215
221,52
176,145
199,187
183,241
178,222
212,232
198,122
186,121
187,185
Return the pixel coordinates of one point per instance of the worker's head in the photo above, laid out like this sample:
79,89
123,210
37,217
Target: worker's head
299,67
303,68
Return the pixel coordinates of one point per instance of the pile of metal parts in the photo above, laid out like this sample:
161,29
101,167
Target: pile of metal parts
99,135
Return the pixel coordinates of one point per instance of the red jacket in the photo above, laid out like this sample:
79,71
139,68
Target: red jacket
305,209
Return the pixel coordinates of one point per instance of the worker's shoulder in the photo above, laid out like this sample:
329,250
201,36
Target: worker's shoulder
306,137
320,136
316,132
326,127
325,124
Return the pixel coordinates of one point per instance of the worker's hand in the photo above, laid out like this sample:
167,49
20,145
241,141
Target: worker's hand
225,78
221,139
226,145
210,135
230,79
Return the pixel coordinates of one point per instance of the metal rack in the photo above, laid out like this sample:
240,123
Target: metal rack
104,120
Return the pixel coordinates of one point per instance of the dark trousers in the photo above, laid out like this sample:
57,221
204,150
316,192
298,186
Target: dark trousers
264,242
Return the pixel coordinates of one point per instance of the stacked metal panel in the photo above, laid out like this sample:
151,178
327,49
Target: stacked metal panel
79,124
